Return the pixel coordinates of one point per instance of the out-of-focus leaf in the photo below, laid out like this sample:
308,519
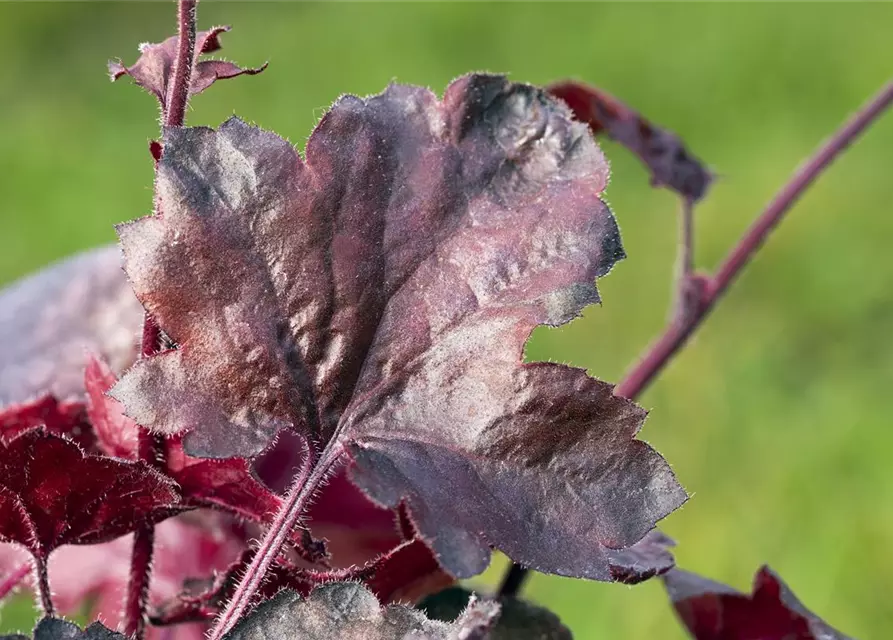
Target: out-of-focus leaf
347,611
52,494
518,619
61,418
58,629
116,434
713,611
51,320
663,152
381,293
152,71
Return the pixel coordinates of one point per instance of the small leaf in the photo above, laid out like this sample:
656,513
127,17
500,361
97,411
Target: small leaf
663,152
50,320
649,557
714,611
381,293
153,69
346,611
58,629
518,619
52,494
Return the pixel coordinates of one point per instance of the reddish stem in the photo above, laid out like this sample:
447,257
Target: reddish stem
151,447
181,76
297,500
684,324
42,580
678,333
11,581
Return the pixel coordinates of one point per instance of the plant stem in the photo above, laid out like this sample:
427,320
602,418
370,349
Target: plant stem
43,586
296,502
677,333
683,325
11,581
151,447
181,76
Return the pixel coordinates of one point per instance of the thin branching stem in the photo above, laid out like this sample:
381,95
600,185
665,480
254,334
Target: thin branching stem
151,447
296,502
683,325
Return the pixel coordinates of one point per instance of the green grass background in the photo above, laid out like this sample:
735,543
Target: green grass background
777,418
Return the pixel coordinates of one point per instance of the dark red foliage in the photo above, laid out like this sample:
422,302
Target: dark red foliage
663,152
714,611
153,69
61,418
405,573
380,293
51,494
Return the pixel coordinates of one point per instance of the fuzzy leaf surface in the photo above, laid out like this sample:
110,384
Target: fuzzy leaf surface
49,321
348,611
380,292
714,611
518,619
152,71
58,629
51,494
662,151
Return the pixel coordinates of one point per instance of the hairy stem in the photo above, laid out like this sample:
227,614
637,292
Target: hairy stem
683,325
138,585
11,581
181,76
151,447
296,502
42,580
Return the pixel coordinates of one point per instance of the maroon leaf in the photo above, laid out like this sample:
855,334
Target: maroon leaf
714,611
61,418
153,69
663,152
52,494
381,293
116,434
50,320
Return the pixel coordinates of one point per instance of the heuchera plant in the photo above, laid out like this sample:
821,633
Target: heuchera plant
328,412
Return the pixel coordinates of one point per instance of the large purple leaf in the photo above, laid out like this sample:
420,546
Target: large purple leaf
50,320
381,292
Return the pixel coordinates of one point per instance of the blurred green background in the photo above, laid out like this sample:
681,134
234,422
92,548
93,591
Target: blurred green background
777,418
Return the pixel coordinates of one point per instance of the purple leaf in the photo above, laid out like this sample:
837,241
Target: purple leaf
714,611
663,152
51,320
647,558
61,418
380,293
153,69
